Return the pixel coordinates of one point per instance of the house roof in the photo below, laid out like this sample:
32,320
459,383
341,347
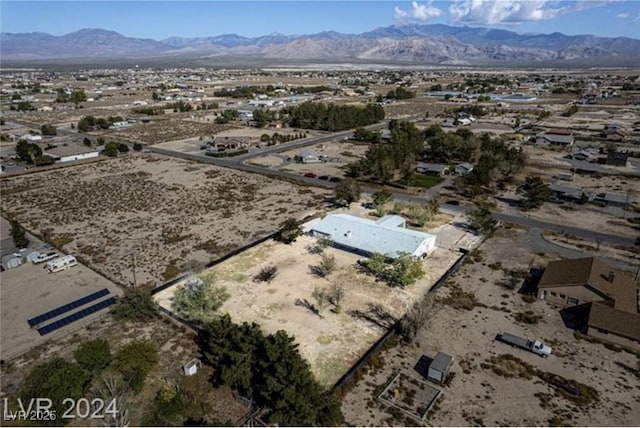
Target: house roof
585,166
617,156
558,138
622,323
433,167
559,131
373,237
70,150
594,273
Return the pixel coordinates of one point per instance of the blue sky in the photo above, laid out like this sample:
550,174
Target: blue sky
160,19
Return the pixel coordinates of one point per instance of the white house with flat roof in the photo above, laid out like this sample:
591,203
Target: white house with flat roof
388,235
71,153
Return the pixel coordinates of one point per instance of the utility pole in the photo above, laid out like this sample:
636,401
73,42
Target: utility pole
135,281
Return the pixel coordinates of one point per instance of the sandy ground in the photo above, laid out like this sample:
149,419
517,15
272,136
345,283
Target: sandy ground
339,153
29,290
161,210
478,396
331,342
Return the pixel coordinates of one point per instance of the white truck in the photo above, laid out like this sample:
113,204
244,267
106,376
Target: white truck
534,346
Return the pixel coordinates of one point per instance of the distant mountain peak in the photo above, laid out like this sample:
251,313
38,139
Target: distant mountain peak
421,43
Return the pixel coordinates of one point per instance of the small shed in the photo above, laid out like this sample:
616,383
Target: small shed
191,367
439,368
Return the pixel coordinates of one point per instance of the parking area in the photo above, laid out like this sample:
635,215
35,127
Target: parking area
29,290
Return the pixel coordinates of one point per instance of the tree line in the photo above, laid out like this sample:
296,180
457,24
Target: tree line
332,117
270,370
383,161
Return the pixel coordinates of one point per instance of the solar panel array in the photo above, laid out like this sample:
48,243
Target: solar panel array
76,316
66,308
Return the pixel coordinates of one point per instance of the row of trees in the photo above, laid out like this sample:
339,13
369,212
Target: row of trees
227,116
498,164
400,93
76,96
382,161
31,153
263,116
268,369
281,138
446,147
91,123
94,373
367,136
332,117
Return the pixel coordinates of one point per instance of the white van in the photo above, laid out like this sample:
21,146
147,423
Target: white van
62,263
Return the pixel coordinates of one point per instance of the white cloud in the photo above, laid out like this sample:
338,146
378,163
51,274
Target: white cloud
516,11
419,12
504,11
623,15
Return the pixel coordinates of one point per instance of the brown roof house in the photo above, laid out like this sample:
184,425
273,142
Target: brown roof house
610,295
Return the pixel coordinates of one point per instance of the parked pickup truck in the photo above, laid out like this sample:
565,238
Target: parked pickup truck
534,346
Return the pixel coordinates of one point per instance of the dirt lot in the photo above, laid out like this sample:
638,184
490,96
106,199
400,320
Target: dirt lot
477,394
29,290
176,347
162,210
331,342
162,130
339,153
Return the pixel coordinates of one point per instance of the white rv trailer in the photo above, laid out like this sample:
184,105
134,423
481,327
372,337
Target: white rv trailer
61,264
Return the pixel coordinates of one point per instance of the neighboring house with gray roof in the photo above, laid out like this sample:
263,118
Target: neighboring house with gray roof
432,168
388,235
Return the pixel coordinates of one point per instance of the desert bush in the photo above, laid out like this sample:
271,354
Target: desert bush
326,266
266,274
528,317
459,299
199,298
136,304
507,365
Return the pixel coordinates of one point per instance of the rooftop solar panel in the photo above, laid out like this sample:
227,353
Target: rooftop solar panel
76,316
68,307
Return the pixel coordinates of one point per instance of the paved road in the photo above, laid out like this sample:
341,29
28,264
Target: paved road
239,162
538,242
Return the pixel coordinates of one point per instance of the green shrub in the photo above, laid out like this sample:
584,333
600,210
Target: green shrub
93,356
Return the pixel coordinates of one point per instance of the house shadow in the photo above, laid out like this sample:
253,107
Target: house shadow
510,201
422,366
463,226
575,317
530,284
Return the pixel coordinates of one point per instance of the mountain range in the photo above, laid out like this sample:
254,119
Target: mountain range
422,44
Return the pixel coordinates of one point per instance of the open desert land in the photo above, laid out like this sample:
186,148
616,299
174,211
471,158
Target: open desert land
155,211
331,342
166,129
488,387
